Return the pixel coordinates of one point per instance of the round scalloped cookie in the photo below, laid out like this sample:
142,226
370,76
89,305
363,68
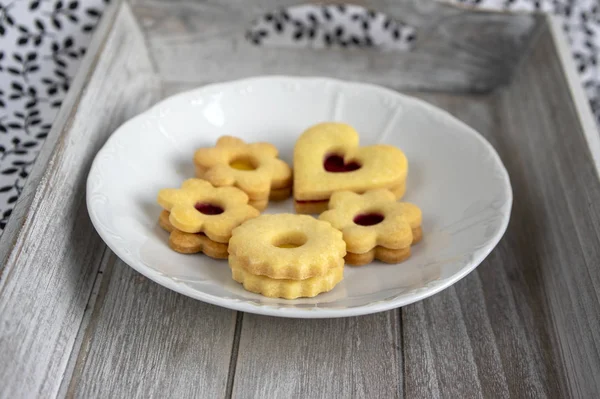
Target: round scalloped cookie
287,246
283,288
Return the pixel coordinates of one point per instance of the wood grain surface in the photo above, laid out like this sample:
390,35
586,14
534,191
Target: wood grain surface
50,269
76,321
147,341
456,49
351,357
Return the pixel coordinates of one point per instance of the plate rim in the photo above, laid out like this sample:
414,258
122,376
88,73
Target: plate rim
308,312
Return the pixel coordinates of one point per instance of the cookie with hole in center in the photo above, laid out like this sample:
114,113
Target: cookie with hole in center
287,255
252,167
328,158
374,225
199,207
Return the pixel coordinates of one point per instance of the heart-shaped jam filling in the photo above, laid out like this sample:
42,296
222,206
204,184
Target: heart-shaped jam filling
335,163
208,209
368,219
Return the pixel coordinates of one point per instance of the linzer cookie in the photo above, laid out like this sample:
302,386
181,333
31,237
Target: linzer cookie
201,209
374,225
191,243
328,158
254,168
287,256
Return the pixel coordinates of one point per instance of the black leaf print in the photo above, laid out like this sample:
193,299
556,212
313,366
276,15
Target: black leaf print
56,23
92,12
5,189
10,171
34,5
387,23
73,5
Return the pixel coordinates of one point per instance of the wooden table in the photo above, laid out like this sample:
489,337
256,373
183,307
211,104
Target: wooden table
76,321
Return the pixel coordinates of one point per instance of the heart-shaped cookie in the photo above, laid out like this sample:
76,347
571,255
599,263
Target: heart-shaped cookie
328,158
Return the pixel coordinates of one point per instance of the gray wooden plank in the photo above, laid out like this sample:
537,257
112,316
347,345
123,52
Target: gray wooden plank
147,341
335,358
450,339
51,267
568,188
456,49
527,322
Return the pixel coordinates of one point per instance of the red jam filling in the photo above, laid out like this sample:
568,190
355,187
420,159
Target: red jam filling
368,219
335,163
208,209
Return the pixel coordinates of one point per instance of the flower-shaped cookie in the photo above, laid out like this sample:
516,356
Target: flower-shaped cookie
198,207
254,168
191,243
373,220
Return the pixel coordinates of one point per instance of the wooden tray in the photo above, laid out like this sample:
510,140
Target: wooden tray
77,321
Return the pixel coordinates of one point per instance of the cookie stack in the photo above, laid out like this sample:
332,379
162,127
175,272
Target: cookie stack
254,168
287,256
327,158
201,217
355,189
374,225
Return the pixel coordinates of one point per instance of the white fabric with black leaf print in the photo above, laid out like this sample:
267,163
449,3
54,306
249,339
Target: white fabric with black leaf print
43,41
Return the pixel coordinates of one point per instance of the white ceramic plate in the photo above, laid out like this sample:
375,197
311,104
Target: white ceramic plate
455,176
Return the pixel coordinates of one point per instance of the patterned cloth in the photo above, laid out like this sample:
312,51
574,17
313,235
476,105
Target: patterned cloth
43,41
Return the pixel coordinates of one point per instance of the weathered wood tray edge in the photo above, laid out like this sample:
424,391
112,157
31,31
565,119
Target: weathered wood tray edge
59,355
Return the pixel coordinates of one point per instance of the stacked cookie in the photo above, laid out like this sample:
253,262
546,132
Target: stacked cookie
254,168
201,217
287,256
327,158
355,189
374,225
